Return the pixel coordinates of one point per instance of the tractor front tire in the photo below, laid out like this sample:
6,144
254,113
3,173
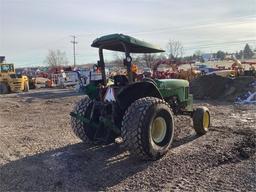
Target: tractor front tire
148,128
83,108
201,120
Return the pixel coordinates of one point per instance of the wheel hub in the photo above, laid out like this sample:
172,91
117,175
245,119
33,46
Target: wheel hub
158,129
206,120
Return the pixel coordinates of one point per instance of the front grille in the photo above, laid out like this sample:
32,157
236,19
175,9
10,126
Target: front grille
17,83
15,76
186,92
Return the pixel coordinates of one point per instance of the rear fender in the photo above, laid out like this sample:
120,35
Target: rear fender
135,91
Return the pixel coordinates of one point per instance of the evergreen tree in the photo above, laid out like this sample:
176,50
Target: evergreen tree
241,53
248,53
237,55
220,55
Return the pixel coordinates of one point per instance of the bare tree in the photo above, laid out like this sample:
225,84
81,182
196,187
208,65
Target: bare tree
56,58
148,59
175,49
136,59
198,56
117,59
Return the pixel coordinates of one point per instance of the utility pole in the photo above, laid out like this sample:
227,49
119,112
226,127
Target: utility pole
74,42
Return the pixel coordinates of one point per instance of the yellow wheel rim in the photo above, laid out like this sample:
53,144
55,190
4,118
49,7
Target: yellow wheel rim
158,129
206,120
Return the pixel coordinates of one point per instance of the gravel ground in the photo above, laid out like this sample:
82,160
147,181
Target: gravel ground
39,152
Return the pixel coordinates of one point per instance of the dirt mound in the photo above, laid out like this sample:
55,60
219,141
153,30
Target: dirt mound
39,152
217,87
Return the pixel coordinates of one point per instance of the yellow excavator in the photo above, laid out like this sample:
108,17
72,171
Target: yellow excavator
10,81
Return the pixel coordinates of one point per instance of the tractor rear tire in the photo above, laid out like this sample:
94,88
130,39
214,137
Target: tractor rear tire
4,88
148,128
201,120
86,132
83,107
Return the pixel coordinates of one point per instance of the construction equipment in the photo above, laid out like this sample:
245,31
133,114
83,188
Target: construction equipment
252,70
175,72
141,113
239,68
10,81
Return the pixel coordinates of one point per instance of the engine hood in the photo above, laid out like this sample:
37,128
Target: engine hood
171,83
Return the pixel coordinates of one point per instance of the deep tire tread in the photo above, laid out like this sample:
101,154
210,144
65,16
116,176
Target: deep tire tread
76,125
132,124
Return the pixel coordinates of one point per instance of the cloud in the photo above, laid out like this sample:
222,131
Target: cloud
29,28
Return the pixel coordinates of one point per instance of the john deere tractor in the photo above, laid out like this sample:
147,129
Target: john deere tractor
141,113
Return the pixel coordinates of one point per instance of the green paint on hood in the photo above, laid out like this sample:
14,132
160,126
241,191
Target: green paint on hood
113,42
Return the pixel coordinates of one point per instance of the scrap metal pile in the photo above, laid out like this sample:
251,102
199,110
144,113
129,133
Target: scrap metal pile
248,97
237,89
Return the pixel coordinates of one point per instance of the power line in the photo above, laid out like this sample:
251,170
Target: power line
209,23
220,43
74,42
206,24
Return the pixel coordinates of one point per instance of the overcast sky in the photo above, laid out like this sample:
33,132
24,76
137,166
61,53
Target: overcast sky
29,28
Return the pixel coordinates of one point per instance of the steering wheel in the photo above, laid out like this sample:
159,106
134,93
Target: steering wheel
120,80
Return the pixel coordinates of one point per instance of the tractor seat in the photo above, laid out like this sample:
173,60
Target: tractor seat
120,80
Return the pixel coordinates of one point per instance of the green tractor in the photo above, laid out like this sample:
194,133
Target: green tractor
140,113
